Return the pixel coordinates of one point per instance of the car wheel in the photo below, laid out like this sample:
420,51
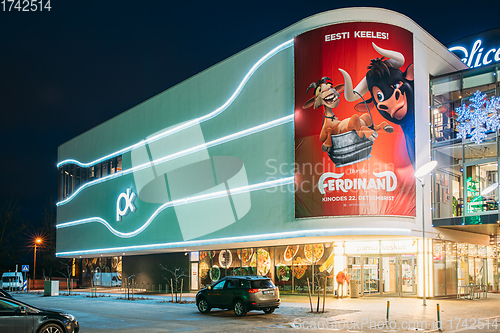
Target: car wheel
203,305
239,308
269,310
51,328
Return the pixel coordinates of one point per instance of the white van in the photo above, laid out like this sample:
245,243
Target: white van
12,280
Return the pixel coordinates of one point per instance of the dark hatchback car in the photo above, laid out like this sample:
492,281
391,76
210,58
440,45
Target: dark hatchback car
17,317
240,293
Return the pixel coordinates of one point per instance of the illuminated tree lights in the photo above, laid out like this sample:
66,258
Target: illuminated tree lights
479,117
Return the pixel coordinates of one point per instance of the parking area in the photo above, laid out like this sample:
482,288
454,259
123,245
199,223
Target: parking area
110,313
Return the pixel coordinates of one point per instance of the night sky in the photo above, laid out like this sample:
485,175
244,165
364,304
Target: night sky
65,71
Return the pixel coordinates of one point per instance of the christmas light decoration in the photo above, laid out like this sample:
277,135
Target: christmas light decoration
479,117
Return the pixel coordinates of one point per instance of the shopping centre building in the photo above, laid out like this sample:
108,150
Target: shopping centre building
296,157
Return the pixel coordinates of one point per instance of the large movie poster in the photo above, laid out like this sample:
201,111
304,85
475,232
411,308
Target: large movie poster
354,121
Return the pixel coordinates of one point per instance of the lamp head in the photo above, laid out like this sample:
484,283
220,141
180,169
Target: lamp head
425,169
489,189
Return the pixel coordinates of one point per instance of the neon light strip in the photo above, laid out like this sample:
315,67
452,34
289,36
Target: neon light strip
204,118
184,201
251,238
185,152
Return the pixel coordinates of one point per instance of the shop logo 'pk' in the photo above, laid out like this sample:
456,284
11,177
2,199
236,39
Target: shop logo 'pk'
129,198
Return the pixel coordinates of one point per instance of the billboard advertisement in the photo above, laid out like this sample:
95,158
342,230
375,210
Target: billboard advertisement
354,121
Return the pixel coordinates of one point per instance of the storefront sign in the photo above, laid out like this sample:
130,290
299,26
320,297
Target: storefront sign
382,247
478,50
399,246
478,53
354,149
367,247
128,198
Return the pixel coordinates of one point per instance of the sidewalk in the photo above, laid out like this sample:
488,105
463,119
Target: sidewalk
405,314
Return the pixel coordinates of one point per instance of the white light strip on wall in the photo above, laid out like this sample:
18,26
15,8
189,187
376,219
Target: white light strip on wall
185,152
251,238
184,201
188,124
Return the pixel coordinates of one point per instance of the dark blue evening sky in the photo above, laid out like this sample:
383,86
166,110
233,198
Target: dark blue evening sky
65,71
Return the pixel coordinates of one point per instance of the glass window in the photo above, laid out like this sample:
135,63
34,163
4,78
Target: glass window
446,88
118,164
444,120
205,268
439,267
481,251
6,306
262,284
448,155
234,268
482,187
264,262
323,265
248,261
480,81
480,271
219,285
472,250
98,171
451,268
105,168
302,270
448,192
231,284
283,266
487,149
463,271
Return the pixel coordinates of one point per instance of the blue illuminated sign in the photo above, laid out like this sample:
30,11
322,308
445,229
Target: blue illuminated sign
478,50
476,57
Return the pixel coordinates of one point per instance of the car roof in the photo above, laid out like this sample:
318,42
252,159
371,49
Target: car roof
248,277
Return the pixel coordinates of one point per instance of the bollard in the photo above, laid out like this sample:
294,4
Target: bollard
439,318
387,318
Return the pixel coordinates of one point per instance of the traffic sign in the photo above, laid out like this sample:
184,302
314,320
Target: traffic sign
26,268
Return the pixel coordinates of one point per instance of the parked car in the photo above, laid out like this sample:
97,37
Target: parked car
19,317
240,293
5,294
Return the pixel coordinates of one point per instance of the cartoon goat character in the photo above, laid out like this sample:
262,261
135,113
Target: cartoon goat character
391,92
327,95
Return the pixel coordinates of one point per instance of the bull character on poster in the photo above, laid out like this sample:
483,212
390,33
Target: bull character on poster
354,121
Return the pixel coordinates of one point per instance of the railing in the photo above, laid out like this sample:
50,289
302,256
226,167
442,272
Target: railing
472,291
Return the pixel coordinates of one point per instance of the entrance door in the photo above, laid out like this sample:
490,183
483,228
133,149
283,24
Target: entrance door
409,268
371,275
390,275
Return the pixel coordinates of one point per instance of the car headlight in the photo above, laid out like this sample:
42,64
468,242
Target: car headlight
69,316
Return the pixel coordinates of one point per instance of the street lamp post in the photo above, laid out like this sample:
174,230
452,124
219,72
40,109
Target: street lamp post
420,174
37,241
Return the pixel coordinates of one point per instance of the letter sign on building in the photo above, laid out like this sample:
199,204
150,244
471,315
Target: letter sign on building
129,198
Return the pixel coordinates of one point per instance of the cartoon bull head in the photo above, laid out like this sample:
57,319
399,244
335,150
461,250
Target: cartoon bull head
391,89
391,93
